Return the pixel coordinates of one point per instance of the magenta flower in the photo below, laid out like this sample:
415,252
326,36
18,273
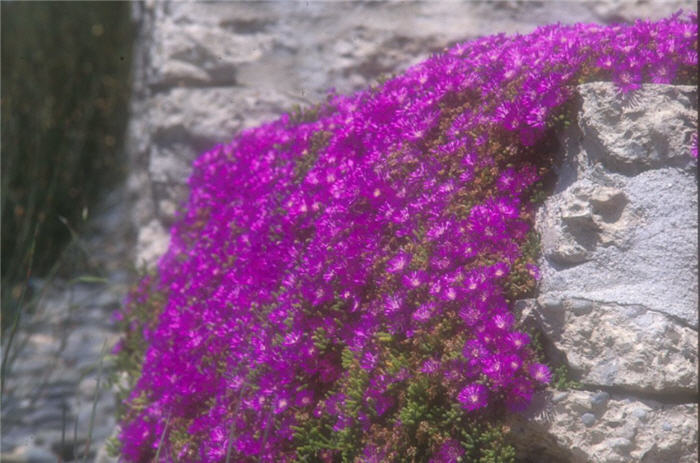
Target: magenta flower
392,305
369,360
519,395
414,279
534,271
540,373
473,397
281,405
383,404
450,452
430,366
424,312
398,263
503,321
517,340
304,398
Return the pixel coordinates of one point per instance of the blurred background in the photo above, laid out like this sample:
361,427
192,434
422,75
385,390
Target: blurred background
65,98
65,93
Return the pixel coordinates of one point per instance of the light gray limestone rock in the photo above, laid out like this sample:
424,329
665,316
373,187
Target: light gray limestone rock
573,429
629,239
642,139
618,294
628,347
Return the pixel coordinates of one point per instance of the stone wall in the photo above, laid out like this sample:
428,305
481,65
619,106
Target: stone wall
618,296
204,71
619,291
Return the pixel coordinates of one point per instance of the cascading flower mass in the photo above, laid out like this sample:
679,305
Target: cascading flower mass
337,287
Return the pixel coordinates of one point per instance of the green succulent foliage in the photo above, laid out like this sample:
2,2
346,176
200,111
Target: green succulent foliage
417,407
144,308
562,380
520,283
314,438
426,424
112,446
486,444
321,339
301,115
482,442
309,157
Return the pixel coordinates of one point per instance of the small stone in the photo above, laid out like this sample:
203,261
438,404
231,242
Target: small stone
549,302
667,427
569,253
600,399
580,306
577,214
639,413
620,444
588,419
606,371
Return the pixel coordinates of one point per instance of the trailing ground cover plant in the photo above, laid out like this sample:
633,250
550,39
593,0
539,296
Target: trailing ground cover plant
338,286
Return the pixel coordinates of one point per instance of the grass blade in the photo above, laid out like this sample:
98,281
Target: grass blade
94,402
162,437
15,319
88,279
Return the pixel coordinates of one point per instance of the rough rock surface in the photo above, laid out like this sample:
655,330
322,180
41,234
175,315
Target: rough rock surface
597,426
619,290
207,70
626,207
